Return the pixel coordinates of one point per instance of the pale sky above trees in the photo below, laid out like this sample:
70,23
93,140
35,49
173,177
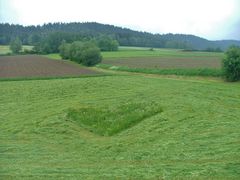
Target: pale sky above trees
211,19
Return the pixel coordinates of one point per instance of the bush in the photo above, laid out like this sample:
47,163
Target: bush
76,51
16,45
86,53
28,51
64,50
91,56
231,64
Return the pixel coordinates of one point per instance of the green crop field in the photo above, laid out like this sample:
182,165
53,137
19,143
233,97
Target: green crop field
120,127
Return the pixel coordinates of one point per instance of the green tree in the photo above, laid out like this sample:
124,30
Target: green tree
91,55
34,39
16,45
231,64
76,51
64,50
86,53
105,43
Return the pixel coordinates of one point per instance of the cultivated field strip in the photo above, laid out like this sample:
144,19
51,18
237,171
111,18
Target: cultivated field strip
166,62
37,66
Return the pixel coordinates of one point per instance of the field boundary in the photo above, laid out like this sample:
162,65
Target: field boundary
56,77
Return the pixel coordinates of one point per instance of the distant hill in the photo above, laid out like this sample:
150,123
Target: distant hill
125,36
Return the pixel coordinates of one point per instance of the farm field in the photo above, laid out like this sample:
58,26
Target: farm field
126,53
161,61
133,52
164,62
189,131
27,66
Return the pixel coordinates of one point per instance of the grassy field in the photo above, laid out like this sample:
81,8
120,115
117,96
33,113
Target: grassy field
5,49
122,125
182,128
180,71
133,52
53,56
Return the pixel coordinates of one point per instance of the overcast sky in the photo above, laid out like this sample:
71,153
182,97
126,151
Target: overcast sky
211,19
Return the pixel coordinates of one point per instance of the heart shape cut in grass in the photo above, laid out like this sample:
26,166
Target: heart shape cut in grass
108,121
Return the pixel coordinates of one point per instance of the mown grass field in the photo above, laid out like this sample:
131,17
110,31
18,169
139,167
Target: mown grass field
122,125
183,128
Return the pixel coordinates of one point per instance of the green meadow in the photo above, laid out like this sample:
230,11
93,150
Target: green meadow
129,123
78,128
5,49
133,52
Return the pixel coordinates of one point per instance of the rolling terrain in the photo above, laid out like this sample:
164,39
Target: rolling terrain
125,36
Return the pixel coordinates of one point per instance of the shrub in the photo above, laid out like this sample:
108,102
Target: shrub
75,51
86,53
16,45
91,56
64,50
28,51
231,64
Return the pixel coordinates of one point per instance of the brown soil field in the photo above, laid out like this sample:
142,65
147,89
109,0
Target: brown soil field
166,63
38,66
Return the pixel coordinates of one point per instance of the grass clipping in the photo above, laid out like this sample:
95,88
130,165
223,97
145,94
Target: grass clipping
108,121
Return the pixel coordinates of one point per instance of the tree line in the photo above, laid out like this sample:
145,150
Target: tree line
32,35
86,51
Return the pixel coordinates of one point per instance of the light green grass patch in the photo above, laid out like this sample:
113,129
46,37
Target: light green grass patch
196,136
53,56
4,49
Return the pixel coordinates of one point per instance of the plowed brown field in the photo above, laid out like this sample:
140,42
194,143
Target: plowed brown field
38,66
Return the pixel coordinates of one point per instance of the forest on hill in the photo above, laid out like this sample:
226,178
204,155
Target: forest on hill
32,35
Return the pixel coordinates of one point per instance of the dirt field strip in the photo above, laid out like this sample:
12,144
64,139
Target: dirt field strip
166,63
38,66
